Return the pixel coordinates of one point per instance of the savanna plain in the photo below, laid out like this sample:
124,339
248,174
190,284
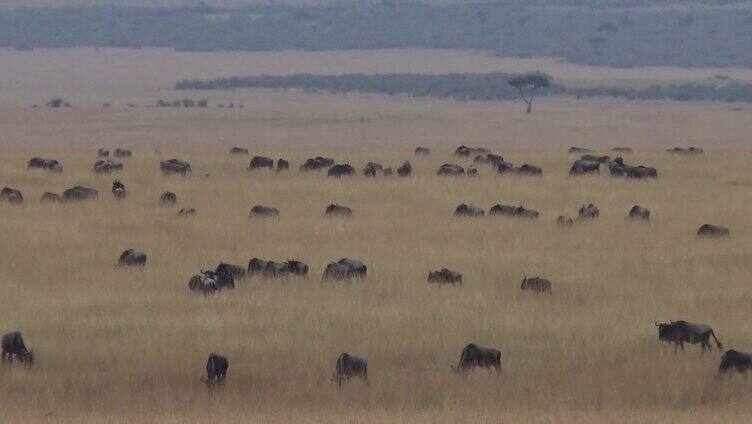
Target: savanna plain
129,345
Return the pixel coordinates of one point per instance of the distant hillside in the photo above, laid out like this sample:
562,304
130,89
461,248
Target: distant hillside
645,33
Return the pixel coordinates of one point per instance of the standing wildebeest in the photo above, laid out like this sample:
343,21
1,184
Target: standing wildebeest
187,212
422,151
175,166
465,210
282,165
622,150
358,268
536,284
12,195
511,211
526,169
349,366
450,169
564,221
341,170
686,151
476,356
132,257
106,167
345,269
579,150
13,346
275,270
466,151
595,158
216,370
488,159
77,193
316,163
258,162
48,164
259,211
256,266
50,197
297,268
502,210
405,170
640,172
337,210
118,190
372,168
238,151
710,231
103,153
168,198
589,211
639,213
581,167
122,153
445,276
236,271
617,168
733,360
680,332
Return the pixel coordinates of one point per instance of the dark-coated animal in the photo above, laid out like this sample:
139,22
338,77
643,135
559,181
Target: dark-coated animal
187,212
733,360
13,347
686,151
405,170
589,211
236,271
617,168
200,283
639,213
422,151
11,195
337,271
78,193
680,332
622,150
358,267
711,231
472,171
526,169
50,197
445,276
256,266
317,163
595,158
259,211
579,150
106,167
337,210
511,211
259,162
175,166
216,370
465,210
565,221
582,167
118,190
641,172
103,153
341,170
536,284
349,366
465,151
373,168
282,165
476,356
275,270
488,159
297,268
450,169
48,164
132,257
168,198
122,153
238,151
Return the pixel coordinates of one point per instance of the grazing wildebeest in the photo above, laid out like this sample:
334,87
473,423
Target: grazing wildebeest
579,150
187,212
639,213
422,151
260,211
589,211
132,257
686,151
349,366
201,283
216,371
118,190
236,271
565,221
476,356
465,210
297,268
103,153
405,170
256,266
680,332
77,193
12,195
341,170
317,163
258,162
622,150
48,164
168,198
595,158
581,167
50,197
122,153
337,210
640,172
238,151
526,169
372,168
175,166
358,267
336,271
450,169
709,230
466,151
536,284
512,211
617,168
488,159
282,165
445,276
13,346
106,167
275,270
733,360
521,212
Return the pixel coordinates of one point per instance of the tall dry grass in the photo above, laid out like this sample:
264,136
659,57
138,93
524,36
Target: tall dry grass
114,344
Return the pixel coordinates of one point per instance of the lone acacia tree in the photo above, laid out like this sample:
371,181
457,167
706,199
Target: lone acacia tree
528,84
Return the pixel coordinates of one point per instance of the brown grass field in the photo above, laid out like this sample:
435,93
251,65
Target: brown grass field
117,345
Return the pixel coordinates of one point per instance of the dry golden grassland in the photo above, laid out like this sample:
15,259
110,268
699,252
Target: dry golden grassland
118,345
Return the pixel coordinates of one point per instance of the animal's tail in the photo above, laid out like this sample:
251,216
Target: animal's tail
717,343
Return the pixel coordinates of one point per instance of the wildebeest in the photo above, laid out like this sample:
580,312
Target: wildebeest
168,198
118,190
208,282
48,164
595,158
617,168
450,169
175,166
476,356
589,211
260,211
50,197
422,151
639,213
187,212
132,257
106,167
238,151
11,195
122,153
77,193
216,370
358,267
579,150
341,170
349,366
256,266
565,221
465,210
581,167
372,168
259,162
622,150
640,172
472,171
445,276
733,360
337,210
536,284
512,211
13,346
297,268
710,231
236,271
686,151
275,270
345,269
680,332
103,153
526,169
282,165
317,163
489,159
405,170
466,151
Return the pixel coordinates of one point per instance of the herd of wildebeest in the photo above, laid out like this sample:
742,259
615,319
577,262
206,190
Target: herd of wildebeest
348,366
